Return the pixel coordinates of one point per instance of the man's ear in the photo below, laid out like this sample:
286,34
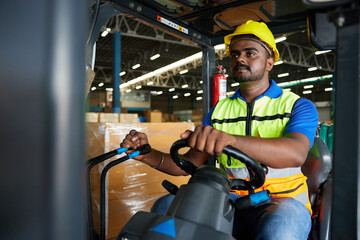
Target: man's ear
269,64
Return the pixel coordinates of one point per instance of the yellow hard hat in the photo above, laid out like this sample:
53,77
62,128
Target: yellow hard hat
260,30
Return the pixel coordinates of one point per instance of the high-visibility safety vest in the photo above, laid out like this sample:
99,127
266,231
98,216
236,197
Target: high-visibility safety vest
266,118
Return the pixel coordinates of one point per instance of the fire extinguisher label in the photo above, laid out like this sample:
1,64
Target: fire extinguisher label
222,88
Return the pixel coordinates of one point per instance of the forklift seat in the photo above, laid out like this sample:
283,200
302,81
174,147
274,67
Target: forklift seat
317,169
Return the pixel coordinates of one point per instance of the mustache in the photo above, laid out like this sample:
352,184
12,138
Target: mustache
241,66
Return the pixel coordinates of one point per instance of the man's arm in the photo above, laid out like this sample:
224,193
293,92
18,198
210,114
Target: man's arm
289,151
136,139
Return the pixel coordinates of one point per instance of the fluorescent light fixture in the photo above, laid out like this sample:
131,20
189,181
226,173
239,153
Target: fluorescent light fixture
187,94
230,93
184,86
179,63
93,88
101,84
159,92
200,91
183,71
136,66
122,73
327,76
307,92
150,83
328,89
279,62
201,82
235,84
312,69
287,89
155,57
308,86
220,46
138,87
109,89
283,75
175,96
104,33
128,90
226,75
280,39
171,89
322,52
198,98
108,29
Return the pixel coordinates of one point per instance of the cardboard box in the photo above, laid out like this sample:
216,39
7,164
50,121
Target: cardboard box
129,118
132,186
108,117
154,116
91,117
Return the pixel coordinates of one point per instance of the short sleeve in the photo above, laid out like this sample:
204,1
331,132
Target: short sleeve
303,120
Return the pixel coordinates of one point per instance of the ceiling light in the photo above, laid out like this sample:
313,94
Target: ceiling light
219,46
308,86
128,90
183,71
230,93
187,94
198,98
280,39
109,89
201,82
108,29
200,91
328,89
287,89
174,65
184,86
312,69
136,66
283,75
122,73
155,57
171,89
138,87
150,83
159,92
104,33
279,62
235,84
93,88
101,84
175,96
322,52
307,92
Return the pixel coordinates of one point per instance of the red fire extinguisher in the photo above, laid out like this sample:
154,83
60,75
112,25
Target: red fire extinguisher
219,85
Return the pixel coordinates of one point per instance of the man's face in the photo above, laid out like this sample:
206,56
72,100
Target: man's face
249,61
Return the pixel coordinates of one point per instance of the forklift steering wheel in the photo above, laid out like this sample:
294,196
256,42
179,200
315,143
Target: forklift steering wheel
257,178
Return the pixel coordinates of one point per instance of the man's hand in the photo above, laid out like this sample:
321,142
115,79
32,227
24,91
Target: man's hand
135,140
208,140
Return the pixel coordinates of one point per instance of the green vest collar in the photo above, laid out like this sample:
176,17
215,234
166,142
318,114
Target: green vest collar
274,91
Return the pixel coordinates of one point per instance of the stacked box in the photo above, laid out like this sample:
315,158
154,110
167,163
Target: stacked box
197,116
131,186
109,117
154,116
129,118
91,117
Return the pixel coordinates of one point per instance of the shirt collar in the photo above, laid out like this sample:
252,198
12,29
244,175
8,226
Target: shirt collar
274,91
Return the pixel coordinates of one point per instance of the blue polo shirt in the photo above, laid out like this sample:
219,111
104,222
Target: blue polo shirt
304,119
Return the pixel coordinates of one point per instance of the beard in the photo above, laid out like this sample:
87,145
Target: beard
252,77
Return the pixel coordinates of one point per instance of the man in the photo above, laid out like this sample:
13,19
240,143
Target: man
274,127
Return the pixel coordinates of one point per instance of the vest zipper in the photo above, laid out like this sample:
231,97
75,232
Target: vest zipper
250,108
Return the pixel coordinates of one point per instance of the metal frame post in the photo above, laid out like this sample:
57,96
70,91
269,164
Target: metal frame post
345,209
208,67
116,71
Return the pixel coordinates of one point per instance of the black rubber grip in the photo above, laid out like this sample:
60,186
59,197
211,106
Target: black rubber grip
182,163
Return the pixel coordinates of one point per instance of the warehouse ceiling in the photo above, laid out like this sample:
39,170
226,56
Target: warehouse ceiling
140,41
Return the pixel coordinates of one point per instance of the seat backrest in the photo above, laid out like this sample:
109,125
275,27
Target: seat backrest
317,166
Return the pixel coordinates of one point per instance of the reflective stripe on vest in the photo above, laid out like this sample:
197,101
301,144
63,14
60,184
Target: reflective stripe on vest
266,118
